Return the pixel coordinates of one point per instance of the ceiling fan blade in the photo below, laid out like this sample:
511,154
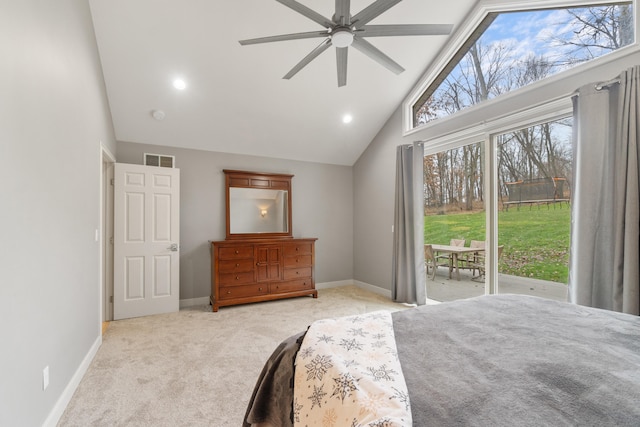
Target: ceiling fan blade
284,37
341,61
343,14
405,30
309,13
310,57
375,54
372,11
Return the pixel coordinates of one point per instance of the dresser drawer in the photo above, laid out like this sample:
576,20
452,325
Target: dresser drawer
302,248
291,286
235,252
235,279
235,265
294,273
242,291
297,261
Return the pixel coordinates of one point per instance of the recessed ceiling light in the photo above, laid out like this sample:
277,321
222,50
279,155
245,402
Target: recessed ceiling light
347,118
179,84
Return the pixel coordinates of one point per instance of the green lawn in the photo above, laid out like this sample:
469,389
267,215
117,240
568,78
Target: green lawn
536,240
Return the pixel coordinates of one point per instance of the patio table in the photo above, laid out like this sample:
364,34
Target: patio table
454,252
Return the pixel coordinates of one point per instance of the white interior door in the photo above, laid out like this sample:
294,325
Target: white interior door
146,240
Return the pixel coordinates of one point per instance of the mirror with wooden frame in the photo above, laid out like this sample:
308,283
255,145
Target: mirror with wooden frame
258,204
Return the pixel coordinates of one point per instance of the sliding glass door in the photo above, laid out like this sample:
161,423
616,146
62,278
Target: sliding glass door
534,222
454,216
507,201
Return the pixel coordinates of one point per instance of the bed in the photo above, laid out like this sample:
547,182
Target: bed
499,360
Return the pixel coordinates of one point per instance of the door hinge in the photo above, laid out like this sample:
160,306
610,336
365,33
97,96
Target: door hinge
111,299
111,181
111,240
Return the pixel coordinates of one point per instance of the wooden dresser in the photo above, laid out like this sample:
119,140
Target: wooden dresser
252,270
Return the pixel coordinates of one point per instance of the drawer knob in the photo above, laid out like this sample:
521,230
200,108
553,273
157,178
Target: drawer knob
237,265
297,249
237,252
228,292
237,278
297,272
259,289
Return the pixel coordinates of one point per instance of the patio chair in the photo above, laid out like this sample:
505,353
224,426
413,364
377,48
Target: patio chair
456,242
431,260
473,258
479,264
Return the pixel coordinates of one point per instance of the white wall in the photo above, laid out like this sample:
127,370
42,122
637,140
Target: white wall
322,207
374,172
53,115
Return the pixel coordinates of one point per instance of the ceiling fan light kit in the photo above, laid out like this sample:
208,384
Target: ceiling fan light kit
341,38
344,30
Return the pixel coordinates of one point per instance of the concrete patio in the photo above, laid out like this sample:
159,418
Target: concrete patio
445,289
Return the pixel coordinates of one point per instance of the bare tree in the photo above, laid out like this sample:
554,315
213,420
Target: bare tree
490,69
591,30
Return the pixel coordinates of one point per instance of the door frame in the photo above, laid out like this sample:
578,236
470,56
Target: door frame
107,160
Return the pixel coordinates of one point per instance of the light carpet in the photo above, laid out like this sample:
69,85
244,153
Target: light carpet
195,367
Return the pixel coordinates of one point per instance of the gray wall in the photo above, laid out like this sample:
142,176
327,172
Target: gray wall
374,172
53,115
322,207
374,192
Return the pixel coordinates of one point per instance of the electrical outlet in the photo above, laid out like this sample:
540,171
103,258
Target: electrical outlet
45,378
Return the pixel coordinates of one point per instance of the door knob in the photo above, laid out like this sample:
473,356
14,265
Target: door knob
173,247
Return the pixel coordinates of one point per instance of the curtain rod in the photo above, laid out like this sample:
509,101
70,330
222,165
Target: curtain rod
605,85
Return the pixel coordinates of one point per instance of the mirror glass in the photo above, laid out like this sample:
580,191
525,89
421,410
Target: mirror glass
257,210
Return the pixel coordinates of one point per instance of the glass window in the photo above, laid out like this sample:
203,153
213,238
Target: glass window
534,179
510,50
454,216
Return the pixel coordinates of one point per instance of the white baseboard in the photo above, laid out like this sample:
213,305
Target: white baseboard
194,301
385,292
362,285
375,289
337,284
67,393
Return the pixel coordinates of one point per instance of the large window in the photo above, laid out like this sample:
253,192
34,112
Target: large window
514,220
534,218
509,50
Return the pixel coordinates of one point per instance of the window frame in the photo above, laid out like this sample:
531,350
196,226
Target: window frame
468,28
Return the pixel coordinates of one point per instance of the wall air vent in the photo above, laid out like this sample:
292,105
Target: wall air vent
159,160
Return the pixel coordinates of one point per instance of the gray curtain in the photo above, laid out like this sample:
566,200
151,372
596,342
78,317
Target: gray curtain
409,280
605,233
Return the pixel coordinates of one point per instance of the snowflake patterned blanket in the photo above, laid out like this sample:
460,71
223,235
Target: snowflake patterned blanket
348,374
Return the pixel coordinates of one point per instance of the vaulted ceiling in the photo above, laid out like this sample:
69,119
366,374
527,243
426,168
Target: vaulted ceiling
235,99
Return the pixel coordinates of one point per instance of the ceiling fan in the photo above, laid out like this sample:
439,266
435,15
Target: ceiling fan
344,30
